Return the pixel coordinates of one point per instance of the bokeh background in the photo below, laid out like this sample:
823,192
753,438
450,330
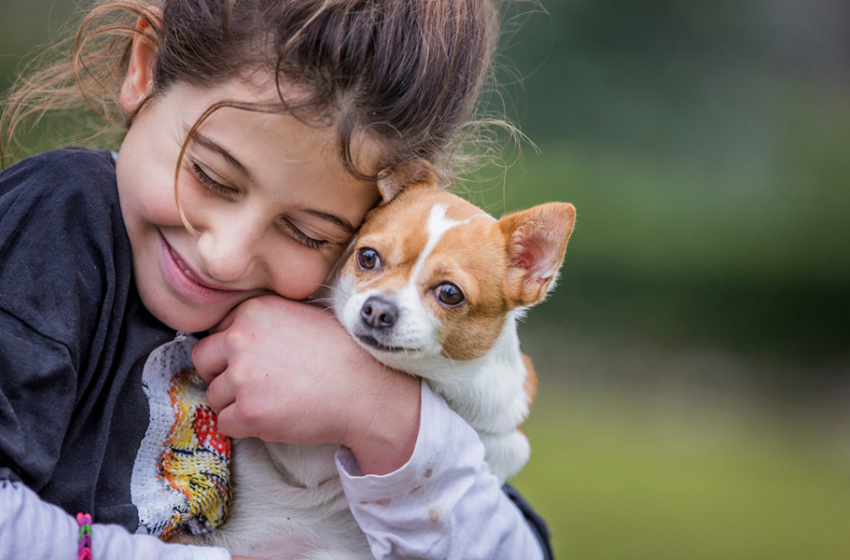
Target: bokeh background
694,360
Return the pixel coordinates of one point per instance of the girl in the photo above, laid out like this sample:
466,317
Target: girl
257,129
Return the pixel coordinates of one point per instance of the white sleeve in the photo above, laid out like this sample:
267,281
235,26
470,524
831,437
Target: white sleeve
32,528
444,504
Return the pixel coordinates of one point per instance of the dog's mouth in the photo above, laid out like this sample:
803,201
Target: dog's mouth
372,342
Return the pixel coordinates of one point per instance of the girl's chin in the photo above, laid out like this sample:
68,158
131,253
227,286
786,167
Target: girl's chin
182,317
192,326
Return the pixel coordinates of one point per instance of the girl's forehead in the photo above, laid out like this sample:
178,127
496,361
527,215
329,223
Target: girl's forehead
289,162
251,110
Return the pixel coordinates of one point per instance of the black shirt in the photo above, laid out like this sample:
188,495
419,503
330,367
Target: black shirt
74,336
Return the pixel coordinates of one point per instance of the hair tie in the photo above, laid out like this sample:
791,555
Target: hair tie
84,548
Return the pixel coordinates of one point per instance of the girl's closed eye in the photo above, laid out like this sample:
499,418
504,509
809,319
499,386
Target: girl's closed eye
212,184
302,237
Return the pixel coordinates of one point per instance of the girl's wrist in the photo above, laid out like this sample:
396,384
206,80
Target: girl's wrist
389,426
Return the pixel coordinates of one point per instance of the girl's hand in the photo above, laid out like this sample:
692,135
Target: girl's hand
286,371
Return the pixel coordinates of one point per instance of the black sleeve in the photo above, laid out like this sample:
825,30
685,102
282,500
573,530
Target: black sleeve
56,237
57,243
538,526
37,393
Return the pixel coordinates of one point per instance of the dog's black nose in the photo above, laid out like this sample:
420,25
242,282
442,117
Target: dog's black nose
379,313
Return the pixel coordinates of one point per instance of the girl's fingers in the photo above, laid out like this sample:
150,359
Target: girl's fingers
210,357
221,394
230,423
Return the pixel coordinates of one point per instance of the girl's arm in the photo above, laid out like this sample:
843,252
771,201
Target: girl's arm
285,371
31,528
444,503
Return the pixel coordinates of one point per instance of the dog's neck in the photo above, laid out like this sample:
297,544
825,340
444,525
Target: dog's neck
488,392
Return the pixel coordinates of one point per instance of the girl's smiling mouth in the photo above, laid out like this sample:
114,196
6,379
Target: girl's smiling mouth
187,283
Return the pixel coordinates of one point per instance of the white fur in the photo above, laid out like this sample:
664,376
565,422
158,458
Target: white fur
438,224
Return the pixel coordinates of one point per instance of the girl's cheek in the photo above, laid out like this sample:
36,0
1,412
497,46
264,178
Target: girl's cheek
301,278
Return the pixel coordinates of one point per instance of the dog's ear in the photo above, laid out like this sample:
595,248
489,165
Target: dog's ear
536,242
393,180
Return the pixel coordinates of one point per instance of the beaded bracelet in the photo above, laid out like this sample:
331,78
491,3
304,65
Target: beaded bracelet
84,549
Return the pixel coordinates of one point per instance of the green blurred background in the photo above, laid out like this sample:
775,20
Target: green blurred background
694,360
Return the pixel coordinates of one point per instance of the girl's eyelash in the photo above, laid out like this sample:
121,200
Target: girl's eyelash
211,183
302,238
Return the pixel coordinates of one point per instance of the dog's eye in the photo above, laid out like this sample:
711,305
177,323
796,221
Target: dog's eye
368,258
449,294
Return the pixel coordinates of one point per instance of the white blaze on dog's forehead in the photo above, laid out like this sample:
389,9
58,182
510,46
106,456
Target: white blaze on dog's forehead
438,225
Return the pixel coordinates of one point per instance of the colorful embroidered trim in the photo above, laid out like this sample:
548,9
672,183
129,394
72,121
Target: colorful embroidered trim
84,549
195,459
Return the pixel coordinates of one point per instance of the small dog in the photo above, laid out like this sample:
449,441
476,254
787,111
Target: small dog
434,287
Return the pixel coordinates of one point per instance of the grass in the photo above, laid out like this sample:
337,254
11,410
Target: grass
616,477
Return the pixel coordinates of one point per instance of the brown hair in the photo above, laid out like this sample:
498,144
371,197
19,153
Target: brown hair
407,73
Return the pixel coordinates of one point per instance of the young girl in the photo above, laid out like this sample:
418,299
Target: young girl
257,129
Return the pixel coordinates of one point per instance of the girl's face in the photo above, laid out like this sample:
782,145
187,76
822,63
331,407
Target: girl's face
272,206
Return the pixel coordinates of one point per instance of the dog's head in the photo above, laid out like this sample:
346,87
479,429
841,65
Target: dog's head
433,276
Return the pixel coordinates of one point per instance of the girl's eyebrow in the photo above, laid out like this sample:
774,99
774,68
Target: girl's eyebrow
336,220
212,146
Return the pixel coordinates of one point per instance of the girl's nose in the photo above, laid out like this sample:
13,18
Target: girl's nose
228,250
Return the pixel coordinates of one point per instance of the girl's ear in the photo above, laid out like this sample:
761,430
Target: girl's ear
536,242
139,80
395,180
